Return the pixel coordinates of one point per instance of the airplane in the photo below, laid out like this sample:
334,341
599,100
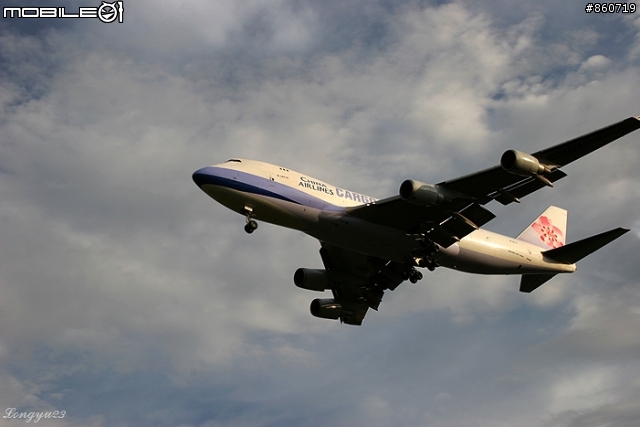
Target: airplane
370,245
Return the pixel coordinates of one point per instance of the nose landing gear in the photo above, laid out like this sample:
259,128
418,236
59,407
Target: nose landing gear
251,225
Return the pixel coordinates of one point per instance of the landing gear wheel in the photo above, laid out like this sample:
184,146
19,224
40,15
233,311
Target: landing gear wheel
427,261
251,226
414,276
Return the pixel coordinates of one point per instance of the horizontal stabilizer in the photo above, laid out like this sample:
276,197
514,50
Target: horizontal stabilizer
574,252
531,282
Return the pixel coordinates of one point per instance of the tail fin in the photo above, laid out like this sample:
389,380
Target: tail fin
574,252
548,231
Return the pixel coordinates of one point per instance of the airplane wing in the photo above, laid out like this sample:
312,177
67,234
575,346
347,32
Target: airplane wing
358,281
445,224
457,204
506,187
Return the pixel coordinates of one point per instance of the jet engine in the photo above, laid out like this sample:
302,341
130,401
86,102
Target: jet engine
522,164
420,193
311,279
327,309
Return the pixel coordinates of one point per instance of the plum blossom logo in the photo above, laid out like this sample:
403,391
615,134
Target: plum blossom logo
551,235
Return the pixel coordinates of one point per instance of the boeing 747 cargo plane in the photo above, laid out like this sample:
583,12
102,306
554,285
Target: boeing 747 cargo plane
370,245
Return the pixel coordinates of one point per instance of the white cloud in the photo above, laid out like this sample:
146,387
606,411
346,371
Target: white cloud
605,324
463,61
118,272
634,52
596,62
582,390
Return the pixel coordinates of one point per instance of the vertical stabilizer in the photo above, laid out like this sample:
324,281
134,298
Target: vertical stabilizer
548,231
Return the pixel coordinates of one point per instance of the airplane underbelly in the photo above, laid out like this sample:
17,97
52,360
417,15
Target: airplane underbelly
481,256
265,208
481,263
364,237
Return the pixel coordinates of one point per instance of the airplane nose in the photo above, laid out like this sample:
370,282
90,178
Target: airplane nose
201,176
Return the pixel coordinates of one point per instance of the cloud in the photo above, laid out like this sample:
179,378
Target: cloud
604,325
127,297
596,62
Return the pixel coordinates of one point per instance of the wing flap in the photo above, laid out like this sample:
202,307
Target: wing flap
358,281
357,311
396,213
478,215
446,223
459,225
525,187
442,236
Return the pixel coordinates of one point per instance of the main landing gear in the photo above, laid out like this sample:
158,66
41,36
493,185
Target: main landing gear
427,257
428,261
414,276
251,225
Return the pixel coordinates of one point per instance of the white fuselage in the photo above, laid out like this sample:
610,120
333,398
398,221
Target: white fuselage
290,199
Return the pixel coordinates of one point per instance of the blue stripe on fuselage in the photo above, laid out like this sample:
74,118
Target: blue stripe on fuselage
253,184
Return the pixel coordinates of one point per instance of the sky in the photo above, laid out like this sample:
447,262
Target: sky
130,298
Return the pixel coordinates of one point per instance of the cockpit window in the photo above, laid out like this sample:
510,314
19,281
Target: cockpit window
234,160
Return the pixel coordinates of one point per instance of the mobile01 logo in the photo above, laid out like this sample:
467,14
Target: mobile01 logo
106,12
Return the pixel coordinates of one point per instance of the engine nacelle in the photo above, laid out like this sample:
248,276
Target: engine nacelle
327,309
522,164
311,279
420,193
